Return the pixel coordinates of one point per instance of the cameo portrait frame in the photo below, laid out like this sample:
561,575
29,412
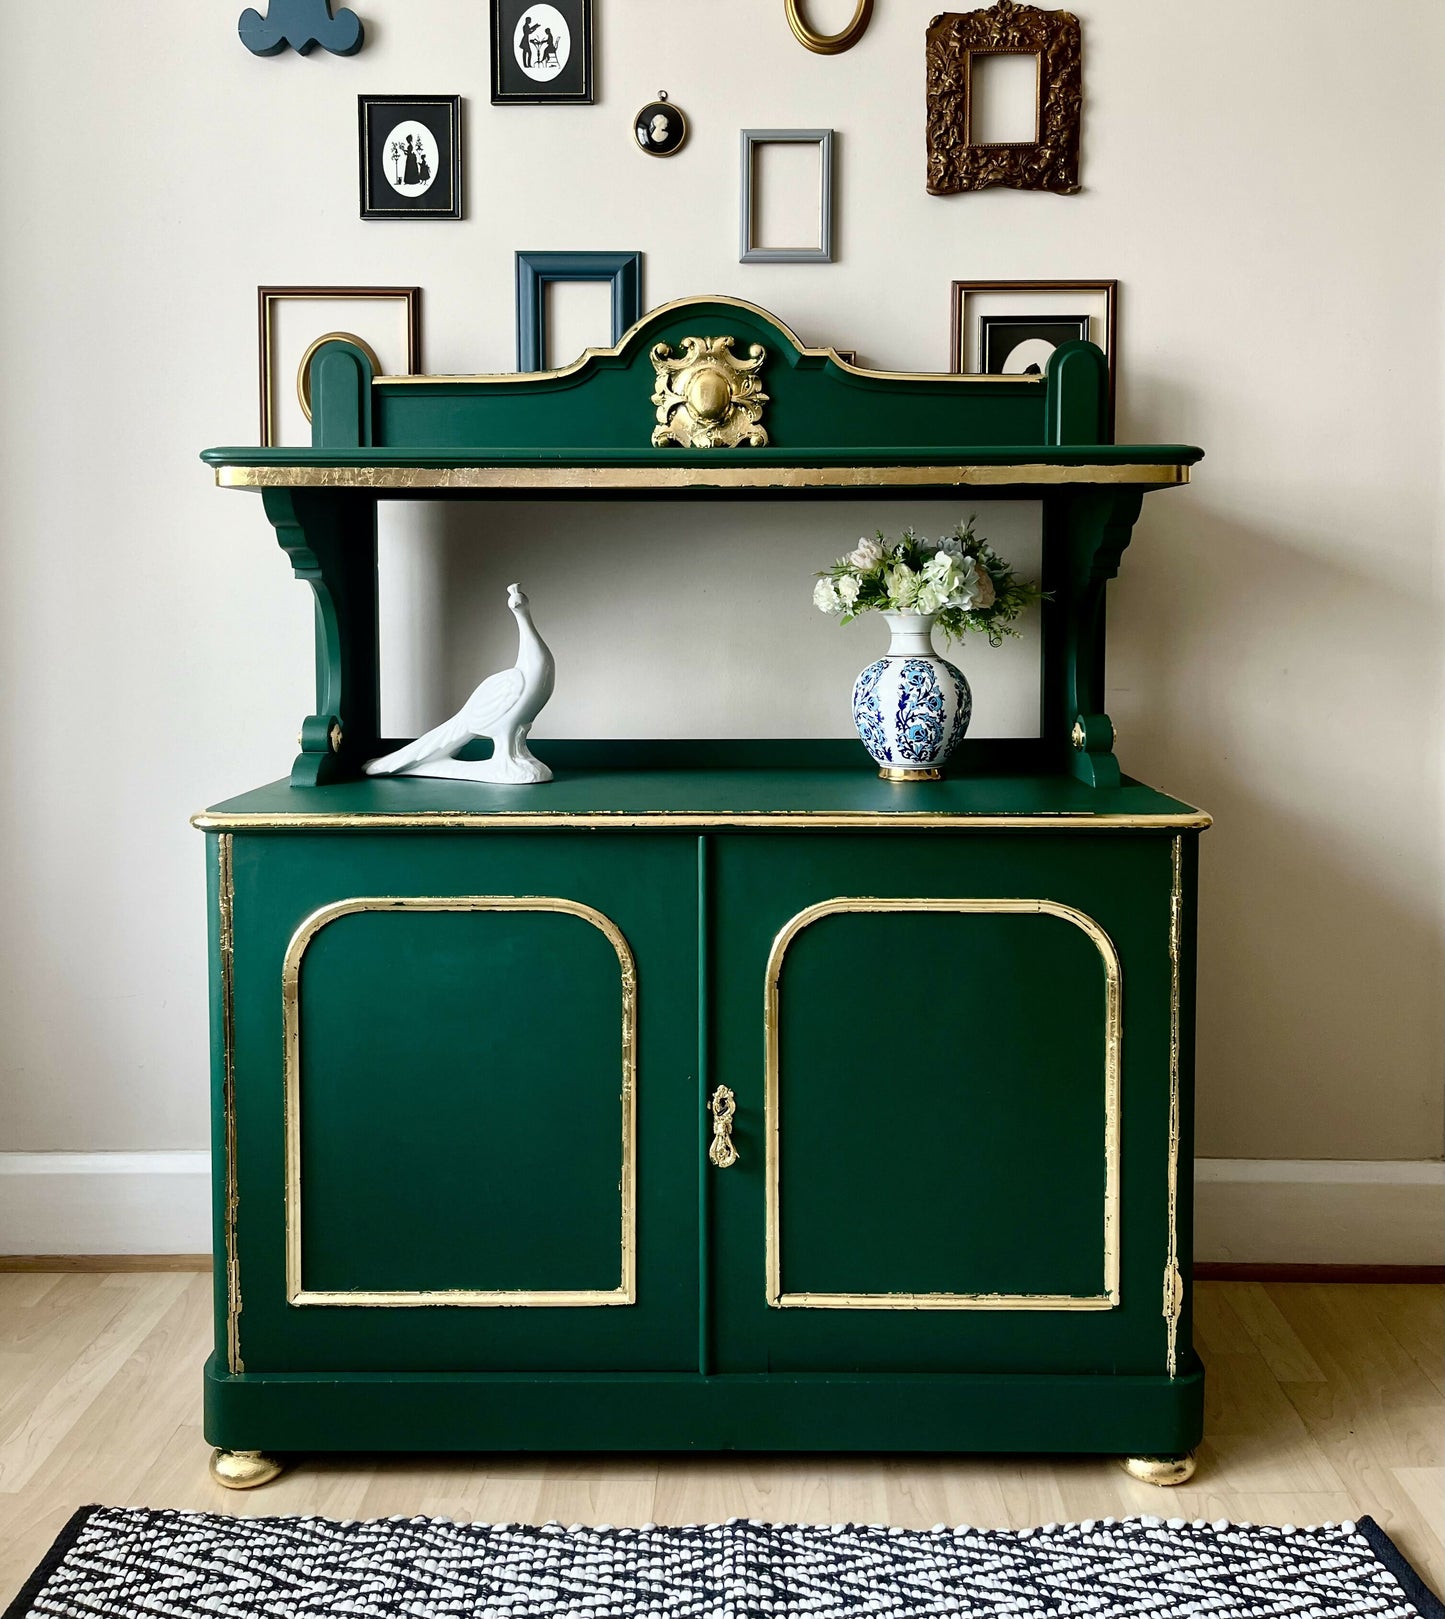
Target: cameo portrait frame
660,127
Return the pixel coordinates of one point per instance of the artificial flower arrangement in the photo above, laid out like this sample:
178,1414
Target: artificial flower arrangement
960,581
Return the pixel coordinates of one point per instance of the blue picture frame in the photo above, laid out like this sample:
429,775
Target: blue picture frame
622,271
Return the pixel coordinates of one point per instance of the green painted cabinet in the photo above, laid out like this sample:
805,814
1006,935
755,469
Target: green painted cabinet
465,1061
713,1095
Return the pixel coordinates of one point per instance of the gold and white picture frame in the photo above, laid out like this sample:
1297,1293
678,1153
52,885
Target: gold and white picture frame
292,322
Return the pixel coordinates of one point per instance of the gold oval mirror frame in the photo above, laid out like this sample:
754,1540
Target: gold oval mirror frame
303,371
828,44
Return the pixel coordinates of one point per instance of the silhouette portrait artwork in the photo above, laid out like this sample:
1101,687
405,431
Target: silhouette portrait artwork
541,50
1020,345
660,127
410,157
542,42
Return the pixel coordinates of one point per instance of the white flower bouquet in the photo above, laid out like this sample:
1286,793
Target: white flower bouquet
961,582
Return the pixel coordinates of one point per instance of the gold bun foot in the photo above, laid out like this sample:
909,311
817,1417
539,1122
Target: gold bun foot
1160,1470
243,1469
893,773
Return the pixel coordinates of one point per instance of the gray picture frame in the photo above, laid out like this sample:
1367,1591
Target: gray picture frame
748,252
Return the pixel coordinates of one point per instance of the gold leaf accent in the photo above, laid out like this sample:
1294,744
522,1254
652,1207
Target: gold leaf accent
706,397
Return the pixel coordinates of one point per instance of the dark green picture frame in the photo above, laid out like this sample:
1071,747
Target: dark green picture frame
622,271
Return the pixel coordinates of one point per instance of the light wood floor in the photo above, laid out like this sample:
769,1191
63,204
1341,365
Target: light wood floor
1325,1402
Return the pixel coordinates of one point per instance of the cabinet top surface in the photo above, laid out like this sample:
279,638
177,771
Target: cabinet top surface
774,785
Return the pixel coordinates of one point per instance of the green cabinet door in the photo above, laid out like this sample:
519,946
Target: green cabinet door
465,1081
955,1064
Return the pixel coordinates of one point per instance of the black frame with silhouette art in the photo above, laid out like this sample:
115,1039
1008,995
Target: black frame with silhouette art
439,162
512,84
1000,335
988,318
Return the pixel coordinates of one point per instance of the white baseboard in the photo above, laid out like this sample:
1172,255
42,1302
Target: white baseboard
1248,1210
1316,1211
105,1202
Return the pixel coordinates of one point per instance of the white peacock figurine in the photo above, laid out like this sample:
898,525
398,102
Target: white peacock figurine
503,708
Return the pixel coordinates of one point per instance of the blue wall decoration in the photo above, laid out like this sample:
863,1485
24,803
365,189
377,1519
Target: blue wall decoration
301,24
623,271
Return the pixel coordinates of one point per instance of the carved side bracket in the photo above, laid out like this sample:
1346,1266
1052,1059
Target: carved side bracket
1085,539
331,544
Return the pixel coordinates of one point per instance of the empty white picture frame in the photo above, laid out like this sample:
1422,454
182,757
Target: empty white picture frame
815,230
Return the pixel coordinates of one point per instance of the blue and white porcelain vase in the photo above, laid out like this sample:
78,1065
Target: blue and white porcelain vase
911,707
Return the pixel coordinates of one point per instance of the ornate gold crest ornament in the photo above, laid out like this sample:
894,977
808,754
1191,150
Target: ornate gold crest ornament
707,398
1049,162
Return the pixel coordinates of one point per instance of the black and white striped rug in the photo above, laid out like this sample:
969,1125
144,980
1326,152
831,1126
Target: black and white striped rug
112,1561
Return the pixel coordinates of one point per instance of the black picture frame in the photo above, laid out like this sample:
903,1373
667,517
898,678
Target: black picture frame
512,83
378,118
1000,335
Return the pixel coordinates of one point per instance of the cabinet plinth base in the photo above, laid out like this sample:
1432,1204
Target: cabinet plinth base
1160,1470
243,1469
964,1412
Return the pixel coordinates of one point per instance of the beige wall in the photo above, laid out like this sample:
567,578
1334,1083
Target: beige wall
1266,183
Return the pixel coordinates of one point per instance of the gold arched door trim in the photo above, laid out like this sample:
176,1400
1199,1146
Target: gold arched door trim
777,1298
828,44
296,1293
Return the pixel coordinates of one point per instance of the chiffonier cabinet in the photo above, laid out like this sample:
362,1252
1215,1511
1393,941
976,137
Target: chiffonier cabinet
716,1094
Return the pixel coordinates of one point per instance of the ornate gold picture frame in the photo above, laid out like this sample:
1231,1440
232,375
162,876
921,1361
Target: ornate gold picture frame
1049,162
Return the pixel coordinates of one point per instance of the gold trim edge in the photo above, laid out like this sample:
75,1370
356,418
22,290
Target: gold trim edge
449,820
1173,1278
947,1301
226,942
776,1298
301,939
231,475
441,1298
